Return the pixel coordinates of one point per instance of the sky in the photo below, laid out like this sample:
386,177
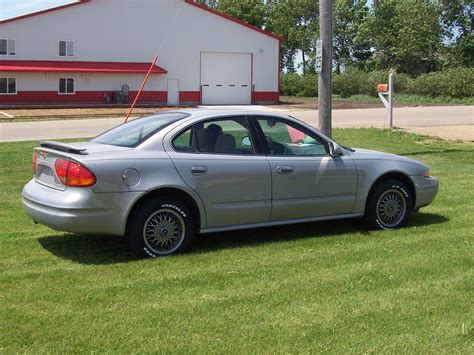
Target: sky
14,8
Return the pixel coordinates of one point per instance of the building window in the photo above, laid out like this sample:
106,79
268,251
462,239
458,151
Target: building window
7,47
7,86
66,48
66,86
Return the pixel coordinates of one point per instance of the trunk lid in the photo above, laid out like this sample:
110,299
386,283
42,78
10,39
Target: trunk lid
49,152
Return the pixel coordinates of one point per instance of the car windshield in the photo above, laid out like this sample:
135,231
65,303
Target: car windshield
135,132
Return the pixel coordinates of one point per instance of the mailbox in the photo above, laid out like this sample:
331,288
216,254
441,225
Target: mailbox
383,88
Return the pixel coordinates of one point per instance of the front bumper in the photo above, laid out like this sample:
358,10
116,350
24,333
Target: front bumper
426,190
78,210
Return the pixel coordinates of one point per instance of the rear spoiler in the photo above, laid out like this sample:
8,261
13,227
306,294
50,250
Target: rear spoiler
63,147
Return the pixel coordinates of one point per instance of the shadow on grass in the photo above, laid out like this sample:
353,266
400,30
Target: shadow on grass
105,250
429,152
87,249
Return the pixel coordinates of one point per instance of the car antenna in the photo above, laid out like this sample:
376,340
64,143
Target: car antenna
141,89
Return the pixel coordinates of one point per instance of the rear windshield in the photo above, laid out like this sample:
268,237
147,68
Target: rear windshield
135,132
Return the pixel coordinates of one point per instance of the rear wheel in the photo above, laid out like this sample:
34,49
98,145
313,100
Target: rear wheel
389,205
160,227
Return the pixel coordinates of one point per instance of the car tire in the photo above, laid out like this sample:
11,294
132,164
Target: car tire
160,227
389,205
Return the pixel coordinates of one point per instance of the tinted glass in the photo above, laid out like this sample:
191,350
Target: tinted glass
11,86
62,48
184,142
137,131
3,47
70,48
225,136
62,86
3,86
70,86
221,136
11,47
283,138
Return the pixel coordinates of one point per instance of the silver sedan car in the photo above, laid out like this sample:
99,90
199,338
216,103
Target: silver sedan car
162,179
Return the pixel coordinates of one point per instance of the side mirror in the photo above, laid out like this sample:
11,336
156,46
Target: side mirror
246,142
334,149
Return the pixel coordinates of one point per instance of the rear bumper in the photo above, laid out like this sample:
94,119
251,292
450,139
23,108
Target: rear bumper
426,190
78,210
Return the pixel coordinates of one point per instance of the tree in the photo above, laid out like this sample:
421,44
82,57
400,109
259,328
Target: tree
349,48
406,35
297,22
209,3
253,12
457,20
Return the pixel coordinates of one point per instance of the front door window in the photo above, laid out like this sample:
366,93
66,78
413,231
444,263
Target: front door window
285,139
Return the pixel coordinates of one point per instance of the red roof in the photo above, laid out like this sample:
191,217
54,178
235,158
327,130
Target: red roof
77,67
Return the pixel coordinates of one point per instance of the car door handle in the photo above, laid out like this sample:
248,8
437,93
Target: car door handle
286,169
198,170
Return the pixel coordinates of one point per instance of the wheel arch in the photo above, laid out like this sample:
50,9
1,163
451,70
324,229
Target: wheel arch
397,175
175,193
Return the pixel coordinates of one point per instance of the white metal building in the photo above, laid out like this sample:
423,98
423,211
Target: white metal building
86,51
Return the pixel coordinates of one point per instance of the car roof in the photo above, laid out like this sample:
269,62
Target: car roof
201,112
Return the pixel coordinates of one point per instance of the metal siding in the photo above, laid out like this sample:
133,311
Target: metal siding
84,82
132,31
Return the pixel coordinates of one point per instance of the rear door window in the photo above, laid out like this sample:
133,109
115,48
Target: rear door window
218,136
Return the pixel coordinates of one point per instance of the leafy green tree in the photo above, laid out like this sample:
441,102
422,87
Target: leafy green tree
297,22
253,12
210,3
457,19
349,48
406,35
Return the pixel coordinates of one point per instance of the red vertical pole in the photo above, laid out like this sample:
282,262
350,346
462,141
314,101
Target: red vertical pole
141,88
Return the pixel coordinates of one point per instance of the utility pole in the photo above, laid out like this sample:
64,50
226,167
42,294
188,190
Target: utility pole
324,84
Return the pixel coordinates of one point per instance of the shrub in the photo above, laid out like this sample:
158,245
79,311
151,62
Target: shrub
458,82
454,83
299,86
402,83
347,84
432,84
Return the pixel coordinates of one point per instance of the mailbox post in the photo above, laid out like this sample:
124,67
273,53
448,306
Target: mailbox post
387,90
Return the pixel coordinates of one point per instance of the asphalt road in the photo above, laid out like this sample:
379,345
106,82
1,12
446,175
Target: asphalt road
448,122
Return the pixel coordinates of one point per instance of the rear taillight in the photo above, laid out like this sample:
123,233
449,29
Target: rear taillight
35,159
74,174
61,167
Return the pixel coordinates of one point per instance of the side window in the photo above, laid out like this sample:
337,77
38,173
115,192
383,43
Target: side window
225,136
222,136
66,48
184,142
7,46
289,139
66,86
7,86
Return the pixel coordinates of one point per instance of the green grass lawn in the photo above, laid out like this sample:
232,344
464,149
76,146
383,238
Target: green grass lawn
315,287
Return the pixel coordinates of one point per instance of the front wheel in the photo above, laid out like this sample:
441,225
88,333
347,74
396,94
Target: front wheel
160,227
389,205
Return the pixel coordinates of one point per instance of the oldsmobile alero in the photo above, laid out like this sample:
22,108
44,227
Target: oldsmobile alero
162,179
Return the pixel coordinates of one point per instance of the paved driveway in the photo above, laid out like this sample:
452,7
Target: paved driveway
448,122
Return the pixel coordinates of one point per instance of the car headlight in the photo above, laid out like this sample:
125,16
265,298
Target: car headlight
427,174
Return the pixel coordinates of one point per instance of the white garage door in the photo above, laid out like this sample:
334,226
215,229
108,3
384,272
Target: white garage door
226,78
